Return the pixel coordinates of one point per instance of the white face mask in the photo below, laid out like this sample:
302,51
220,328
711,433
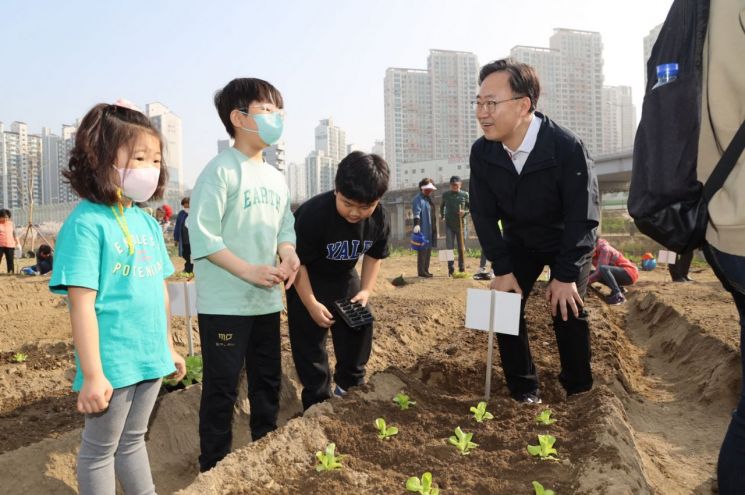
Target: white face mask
139,184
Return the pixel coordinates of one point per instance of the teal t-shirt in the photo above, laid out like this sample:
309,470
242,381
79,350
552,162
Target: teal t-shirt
92,252
242,205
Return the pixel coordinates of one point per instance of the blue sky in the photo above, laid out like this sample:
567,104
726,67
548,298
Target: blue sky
327,57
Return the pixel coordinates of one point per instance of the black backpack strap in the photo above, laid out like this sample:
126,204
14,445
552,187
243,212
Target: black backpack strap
726,164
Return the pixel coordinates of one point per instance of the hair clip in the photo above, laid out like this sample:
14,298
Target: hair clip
121,102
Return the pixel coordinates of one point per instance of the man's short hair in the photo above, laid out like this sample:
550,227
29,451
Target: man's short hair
455,179
523,78
240,93
362,177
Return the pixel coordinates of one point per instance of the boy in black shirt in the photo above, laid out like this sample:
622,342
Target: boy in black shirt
334,230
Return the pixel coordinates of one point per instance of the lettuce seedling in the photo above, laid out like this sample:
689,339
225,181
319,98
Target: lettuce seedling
403,401
20,357
539,490
385,433
544,418
545,448
193,372
463,441
423,486
328,460
480,413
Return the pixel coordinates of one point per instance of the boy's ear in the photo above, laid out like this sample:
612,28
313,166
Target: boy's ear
235,117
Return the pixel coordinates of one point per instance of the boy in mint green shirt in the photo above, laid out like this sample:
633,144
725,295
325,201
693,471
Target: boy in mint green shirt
240,220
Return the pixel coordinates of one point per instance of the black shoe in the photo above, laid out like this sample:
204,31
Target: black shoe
428,275
529,398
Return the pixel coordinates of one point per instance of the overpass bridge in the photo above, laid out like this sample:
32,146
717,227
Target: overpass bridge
614,171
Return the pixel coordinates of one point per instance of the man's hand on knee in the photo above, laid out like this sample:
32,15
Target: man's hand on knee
563,295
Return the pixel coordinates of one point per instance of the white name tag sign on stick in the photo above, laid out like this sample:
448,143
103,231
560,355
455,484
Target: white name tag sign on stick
668,257
492,311
183,299
445,255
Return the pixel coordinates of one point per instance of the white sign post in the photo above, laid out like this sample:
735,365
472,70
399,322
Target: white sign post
183,297
492,311
668,257
445,255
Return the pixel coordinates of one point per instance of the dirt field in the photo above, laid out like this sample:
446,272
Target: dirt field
667,376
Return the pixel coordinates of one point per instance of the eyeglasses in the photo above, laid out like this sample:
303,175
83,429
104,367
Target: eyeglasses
491,105
265,109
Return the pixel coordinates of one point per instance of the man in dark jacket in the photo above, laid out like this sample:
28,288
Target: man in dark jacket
535,177
181,236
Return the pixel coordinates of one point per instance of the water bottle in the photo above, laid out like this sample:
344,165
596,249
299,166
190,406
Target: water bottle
666,73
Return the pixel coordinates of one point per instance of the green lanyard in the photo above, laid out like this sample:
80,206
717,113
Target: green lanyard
119,215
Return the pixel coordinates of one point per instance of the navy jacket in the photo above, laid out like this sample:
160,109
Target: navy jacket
551,208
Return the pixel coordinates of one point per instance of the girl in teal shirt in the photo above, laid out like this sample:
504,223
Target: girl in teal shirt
111,261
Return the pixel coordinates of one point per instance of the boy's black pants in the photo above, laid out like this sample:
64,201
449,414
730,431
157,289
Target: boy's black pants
227,343
572,336
352,347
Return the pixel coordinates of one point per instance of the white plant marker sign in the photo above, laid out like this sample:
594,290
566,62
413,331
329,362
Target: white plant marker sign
492,311
668,257
183,297
445,255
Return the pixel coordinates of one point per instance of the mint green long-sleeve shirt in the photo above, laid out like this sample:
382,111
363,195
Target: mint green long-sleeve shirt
242,205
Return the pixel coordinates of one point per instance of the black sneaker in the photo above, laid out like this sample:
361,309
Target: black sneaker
529,398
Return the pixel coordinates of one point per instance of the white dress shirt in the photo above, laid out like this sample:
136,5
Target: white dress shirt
520,156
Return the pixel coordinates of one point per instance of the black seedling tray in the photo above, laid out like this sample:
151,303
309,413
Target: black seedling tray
354,314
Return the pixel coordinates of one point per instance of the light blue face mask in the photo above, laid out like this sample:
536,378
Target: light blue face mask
270,126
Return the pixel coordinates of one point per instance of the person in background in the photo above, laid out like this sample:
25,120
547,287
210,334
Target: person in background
8,240
181,235
613,270
453,209
679,271
44,262
425,221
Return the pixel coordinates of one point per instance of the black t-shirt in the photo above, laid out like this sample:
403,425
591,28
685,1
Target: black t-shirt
328,245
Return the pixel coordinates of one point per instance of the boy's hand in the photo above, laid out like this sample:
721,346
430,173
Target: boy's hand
290,264
178,361
263,275
95,395
321,315
563,294
361,297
